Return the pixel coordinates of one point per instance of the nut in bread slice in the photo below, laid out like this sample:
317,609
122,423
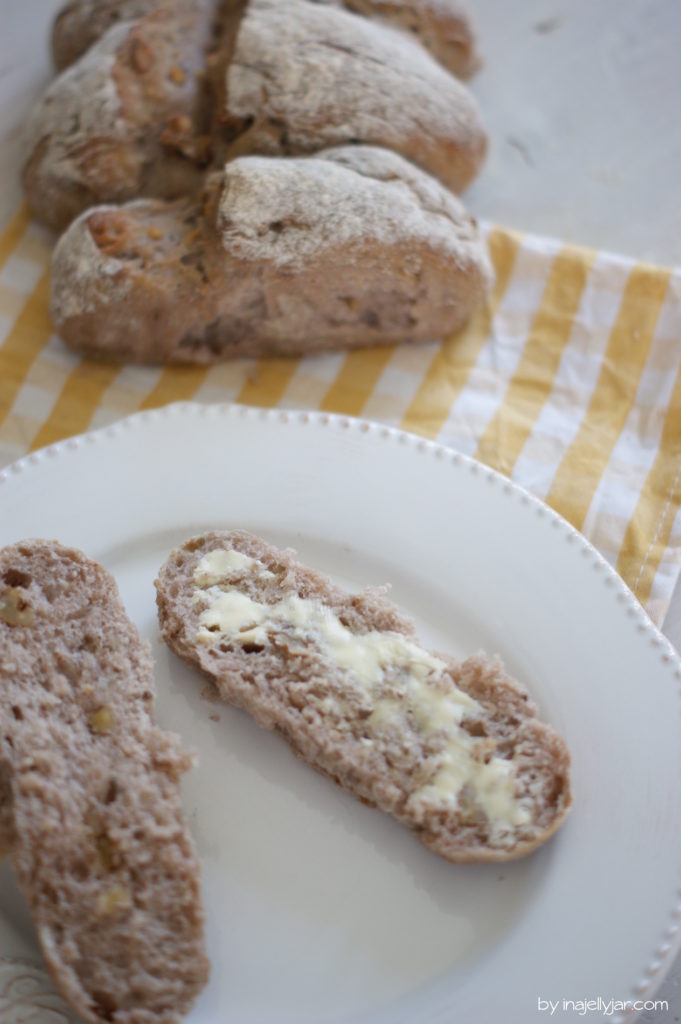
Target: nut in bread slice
90,808
454,750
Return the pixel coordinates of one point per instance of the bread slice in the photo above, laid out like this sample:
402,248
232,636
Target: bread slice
90,794
453,750
352,247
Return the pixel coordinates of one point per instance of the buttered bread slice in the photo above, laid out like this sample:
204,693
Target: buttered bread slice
452,749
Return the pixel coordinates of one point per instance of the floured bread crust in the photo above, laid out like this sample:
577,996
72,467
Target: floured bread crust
352,247
306,75
442,26
155,92
130,117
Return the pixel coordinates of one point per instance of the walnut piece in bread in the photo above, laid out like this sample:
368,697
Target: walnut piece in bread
454,750
352,247
90,810
130,118
306,75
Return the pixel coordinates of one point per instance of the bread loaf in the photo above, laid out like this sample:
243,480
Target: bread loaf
454,750
305,75
442,26
131,117
90,807
353,247
153,101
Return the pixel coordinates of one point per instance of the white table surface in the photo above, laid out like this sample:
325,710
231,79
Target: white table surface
582,100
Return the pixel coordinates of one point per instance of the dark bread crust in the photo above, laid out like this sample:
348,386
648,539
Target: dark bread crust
91,808
290,693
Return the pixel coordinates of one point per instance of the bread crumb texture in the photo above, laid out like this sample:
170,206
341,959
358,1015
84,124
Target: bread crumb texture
453,749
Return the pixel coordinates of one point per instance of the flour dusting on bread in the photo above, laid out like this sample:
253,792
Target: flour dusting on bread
289,211
305,76
350,247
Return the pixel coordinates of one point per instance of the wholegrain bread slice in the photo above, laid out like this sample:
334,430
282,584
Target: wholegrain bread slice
90,808
454,750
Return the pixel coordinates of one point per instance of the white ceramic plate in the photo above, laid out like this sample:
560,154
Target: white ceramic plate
321,911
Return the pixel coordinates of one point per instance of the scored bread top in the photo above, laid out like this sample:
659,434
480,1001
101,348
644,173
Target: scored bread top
164,89
90,808
452,749
305,76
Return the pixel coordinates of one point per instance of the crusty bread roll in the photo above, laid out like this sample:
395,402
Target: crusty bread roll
352,247
130,118
442,25
453,750
148,107
90,808
305,75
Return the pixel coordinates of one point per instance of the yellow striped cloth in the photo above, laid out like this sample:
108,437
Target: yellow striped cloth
569,381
